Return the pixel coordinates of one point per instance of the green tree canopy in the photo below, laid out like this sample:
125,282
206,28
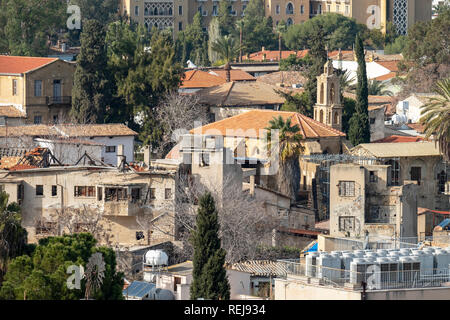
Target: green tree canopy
226,20
338,32
209,277
93,88
42,274
192,43
227,48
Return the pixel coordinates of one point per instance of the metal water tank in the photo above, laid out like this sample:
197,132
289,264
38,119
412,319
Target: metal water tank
156,258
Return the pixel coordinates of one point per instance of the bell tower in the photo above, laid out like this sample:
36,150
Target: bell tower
328,109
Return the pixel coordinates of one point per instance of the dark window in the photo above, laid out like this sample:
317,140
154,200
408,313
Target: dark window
373,176
395,172
37,88
110,149
39,190
168,193
54,191
55,119
20,192
14,87
84,191
152,193
347,188
135,194
416,173
115,194
346,223
37,119
442,180
99,193
136,10
372,120
180,10
140,235
180,26
204,159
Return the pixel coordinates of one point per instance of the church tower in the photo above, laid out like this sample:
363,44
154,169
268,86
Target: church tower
328,109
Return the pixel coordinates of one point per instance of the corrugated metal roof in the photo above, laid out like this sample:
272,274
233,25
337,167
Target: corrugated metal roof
262,268
401,149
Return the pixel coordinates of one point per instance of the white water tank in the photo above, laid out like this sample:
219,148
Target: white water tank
311,262
156,258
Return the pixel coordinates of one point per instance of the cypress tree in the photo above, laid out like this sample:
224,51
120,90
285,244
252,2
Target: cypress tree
359,129
209,275
92,88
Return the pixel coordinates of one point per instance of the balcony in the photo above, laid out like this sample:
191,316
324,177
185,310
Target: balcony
64,100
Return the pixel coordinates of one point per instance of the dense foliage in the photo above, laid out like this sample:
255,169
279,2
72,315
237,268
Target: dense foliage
41,275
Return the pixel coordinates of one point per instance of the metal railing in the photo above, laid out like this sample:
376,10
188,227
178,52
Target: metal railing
371,276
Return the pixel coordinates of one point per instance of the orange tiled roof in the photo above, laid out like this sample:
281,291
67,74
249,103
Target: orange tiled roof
11,112
235,74
372,99
396,139
274,55
250,123
390,65
19,65
200,79
386,76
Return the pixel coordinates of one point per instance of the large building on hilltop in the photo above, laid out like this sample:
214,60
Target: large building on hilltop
374,13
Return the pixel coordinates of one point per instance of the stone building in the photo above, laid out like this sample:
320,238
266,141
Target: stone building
417,162
39,87
364,203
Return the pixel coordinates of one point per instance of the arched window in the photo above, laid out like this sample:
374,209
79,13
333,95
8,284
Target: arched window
289,22
332,93
321,94
289,8
395,172
321,116
146,12
336,118
155,11
170,11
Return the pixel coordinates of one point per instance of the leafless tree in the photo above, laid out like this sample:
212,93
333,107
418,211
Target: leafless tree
245,227
178,114
77,219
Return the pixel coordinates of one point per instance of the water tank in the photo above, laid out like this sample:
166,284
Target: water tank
441,261
160,294
311,262
426,262
358,270
156,258
329,267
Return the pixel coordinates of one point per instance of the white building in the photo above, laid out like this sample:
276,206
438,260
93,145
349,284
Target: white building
411,107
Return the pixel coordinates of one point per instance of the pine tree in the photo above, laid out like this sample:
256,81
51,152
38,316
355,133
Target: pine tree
359,129
209,275
92,89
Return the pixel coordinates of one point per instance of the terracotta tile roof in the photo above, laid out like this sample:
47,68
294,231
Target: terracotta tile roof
200,79
235,74
240,93
376,107
11,112
274,55
397,139
97,130
420,128
386,76
8,162
88,130
289,78
174,153
425,210
19,65
390,65
250,123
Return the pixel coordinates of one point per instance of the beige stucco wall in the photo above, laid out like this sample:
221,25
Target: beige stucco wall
118,216
297,17
6,91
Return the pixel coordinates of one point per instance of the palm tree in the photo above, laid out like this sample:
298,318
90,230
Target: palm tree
436,117
347,82
226,47
288,175
240,26
280,29
378,88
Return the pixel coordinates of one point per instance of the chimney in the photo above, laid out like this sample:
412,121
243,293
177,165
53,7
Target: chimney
228,71
120,156
262,49
147,156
